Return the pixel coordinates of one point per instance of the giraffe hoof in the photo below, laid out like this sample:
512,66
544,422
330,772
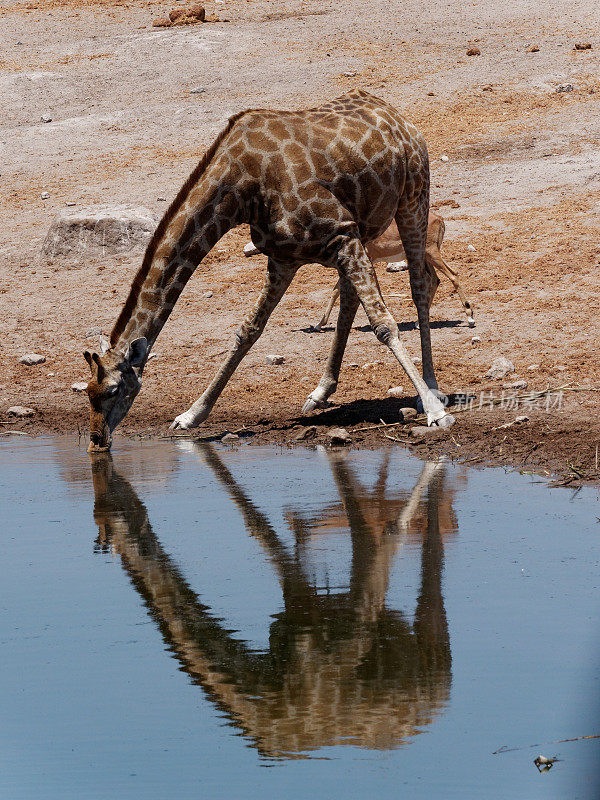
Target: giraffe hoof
183,422
311,404
447,421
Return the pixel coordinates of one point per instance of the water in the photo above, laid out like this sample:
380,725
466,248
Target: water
190,621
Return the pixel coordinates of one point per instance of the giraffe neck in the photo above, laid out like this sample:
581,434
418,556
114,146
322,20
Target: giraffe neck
194,223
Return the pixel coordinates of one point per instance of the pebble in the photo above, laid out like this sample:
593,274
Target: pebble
275,359
371,364
207,294
444,159
250,250
471,248
46,118
564,87
306,433
20,411
583,46
230,437
349,74
45,195
533,367
533,49
395,391
396,266
499,368
515,385
418,431
560,368
339,436
475,339
473,51
198,90
32,358
407,414
51,374
80,386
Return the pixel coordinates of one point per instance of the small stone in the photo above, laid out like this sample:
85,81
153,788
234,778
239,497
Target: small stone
371,364
46,118
533,49
488,88
471,248
306,433
349,74
339,436
45,195
51,374
20,411
406,414
560,368
583,46
419,431
353,365
499,368
275,360
395,391
161,199
396,266
475,339
564,87
520,420
533,367
515,385
196,11
444,159
230,437
30,359
198,90
207,294
250,250
162,22
473,51
80,386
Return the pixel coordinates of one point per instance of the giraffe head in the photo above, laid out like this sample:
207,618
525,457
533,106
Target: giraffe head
114,385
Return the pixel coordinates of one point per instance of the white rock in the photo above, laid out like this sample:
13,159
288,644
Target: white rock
275,359
471,248
198,90
560,368
396,391
230,437
80,386
515,385
500,367
396,266
20,411
475,339
99,230
444,159
45,195
533,367
250,250
32,358
46,118
207,294
564,87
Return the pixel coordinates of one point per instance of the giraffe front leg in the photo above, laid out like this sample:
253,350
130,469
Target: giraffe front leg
328,384
279,277
355,265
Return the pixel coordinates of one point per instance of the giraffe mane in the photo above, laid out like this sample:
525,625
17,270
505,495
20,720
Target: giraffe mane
162,226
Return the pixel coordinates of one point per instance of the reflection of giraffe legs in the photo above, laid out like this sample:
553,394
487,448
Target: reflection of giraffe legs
328,384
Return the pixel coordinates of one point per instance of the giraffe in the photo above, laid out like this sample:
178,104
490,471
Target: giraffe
388,248
341,667
314,186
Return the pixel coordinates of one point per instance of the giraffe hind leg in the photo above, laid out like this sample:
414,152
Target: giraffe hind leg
279,277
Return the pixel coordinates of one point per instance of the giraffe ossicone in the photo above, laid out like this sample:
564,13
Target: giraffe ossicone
315,186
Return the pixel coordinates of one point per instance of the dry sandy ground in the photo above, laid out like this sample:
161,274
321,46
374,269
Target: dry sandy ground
521,184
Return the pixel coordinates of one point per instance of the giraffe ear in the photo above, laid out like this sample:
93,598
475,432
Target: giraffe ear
137,351
101,372
88,357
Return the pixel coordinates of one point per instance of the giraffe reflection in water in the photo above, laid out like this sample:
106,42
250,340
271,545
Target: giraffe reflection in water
341,667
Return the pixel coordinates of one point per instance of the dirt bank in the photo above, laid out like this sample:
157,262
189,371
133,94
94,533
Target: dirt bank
521,185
